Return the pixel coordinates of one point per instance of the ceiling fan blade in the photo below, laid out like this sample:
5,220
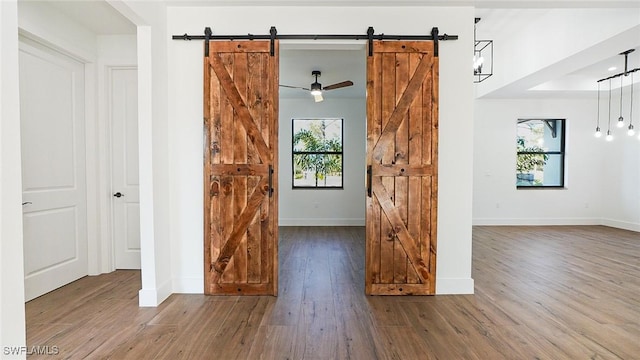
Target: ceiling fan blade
294,87
338,85
318,98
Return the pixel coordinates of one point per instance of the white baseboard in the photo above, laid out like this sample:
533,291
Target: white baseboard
154,297
147,298
321,222
535,221
188,285
625,225
621,224
454,286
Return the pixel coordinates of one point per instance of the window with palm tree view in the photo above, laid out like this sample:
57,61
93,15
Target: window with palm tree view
540,146
317,153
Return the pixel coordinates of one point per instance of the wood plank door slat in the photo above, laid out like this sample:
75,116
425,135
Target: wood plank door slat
240,163
402,137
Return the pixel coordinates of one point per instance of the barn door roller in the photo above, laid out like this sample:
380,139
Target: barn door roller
273,35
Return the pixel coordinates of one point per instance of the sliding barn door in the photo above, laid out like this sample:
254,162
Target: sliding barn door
402,166
240,168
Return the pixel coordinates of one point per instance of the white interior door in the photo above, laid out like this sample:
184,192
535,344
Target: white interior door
53,168
124,165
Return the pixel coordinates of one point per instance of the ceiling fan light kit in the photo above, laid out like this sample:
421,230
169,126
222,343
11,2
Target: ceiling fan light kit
316,89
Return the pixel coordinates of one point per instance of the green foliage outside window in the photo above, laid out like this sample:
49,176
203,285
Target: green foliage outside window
528,162
317,153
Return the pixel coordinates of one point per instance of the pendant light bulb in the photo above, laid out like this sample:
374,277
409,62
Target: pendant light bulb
609,137
620,122
631,132
598,132
478,60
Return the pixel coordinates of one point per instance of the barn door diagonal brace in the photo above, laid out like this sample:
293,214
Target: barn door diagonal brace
273,35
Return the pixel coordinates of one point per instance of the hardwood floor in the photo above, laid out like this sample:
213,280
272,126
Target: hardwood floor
541,293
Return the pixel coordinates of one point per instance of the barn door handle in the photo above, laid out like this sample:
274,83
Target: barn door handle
118,194
369,180
270,180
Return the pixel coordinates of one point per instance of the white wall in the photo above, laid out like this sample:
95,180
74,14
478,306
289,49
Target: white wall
153,147
456,111
601,178
12,314
325,207
620,191
44,21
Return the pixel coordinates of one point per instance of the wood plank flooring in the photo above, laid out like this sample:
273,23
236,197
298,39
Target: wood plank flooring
562,292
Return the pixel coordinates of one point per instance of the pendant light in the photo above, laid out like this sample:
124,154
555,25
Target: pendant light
631,132
620,119
620,122
482,56
598,132
609,137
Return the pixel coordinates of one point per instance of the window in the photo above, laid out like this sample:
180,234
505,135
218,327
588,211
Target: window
540,159
317,153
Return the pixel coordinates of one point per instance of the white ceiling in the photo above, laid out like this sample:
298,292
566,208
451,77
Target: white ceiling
583,81
96,15
346,60
572,77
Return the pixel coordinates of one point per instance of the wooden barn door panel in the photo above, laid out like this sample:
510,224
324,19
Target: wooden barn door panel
240,168
402,148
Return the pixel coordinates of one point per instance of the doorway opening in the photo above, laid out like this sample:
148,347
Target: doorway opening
322,230
65,83
337,62
401,157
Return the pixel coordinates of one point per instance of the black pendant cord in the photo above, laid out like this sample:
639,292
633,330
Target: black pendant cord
609,122
273,35
631,106
598,117
620,119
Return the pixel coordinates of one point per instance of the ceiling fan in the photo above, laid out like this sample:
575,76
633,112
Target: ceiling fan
316,88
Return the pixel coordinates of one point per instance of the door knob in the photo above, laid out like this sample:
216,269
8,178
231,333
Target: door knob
118,194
